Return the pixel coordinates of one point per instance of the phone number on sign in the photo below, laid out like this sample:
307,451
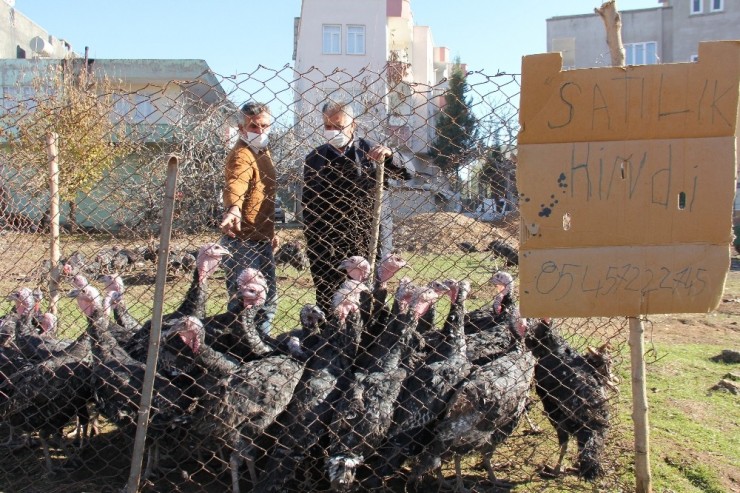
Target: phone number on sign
566,279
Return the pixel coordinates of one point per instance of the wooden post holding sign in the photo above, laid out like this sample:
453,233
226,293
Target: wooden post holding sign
626,180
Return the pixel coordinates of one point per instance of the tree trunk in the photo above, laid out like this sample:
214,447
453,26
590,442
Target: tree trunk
72,218
613,24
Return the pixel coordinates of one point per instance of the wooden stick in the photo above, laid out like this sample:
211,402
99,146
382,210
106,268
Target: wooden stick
156,327
52,151
377,210
643,482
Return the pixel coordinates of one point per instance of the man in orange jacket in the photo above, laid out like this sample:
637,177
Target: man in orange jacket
249,199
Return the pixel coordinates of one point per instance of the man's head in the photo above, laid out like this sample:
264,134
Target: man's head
254,123
339,123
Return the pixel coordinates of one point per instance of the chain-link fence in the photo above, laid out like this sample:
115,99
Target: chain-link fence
381,380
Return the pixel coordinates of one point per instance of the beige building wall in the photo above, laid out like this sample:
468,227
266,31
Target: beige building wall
17,32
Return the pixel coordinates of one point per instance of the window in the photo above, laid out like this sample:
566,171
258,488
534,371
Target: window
332,40
694,58
641,53
696,7
717,6
356,40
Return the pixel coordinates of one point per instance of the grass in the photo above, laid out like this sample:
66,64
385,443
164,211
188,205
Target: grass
694,436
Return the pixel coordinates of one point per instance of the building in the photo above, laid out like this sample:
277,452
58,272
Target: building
164,104
20,37
668,33
370,52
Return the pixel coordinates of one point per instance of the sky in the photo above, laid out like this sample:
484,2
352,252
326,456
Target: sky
236,36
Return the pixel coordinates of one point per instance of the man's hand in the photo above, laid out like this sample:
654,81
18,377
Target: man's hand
275,242
379,153
232,222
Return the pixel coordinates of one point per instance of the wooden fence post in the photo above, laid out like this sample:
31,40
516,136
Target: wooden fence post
641,426
156,327
52,151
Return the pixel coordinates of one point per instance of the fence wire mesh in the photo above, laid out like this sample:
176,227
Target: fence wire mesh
425,376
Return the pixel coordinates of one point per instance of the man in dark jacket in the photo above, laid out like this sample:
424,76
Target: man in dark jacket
339,196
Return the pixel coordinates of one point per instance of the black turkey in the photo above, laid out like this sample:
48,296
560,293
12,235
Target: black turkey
574,396
501,309
428,388
234,331
250,395
114,298
312,318
483,412
209,257
374,308
502,249
292,253
302,430
364,413
117,379
44,397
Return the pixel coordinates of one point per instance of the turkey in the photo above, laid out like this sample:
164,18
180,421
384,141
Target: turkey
209,257
302,429
428,388
357,268
483,412
234,332
426,324
26,338
502,249
312,318
45,396
500,310
251,395
117,379
122,334
346,301
292,253
375,311
116,259
364,413
114,289
76,263
573,394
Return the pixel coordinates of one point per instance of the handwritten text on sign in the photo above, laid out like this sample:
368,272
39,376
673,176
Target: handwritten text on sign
626,178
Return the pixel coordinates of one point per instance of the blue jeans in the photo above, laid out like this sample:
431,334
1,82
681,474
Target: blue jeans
257,255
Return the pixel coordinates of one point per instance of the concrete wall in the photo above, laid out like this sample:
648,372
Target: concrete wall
676,31
16,32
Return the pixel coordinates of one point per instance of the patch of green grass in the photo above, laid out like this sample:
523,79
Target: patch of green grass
689,425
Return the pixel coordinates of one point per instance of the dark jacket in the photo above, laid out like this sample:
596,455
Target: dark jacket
338,193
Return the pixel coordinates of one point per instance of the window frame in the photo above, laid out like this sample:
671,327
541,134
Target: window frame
335,40
696,6
720,5
630,52
356,35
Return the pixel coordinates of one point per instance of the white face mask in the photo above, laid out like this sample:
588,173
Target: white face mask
336,138
256,141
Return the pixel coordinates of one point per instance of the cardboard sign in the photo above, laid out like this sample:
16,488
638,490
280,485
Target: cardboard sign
626,178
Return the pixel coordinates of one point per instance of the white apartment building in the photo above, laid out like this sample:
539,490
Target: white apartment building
372,53
668,33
